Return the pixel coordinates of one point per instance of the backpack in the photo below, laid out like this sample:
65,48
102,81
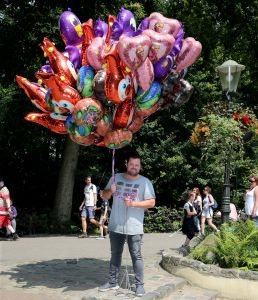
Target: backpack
215,205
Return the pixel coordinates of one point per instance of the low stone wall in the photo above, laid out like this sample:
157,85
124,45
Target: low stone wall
230,283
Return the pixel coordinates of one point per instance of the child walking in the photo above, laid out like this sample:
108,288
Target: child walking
103,217
189,227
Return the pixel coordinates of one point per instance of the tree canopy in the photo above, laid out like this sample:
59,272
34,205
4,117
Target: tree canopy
31,156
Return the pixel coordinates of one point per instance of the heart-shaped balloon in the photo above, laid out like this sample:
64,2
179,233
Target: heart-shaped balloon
188,54
95,53
145,75
161,44
133,51
161,24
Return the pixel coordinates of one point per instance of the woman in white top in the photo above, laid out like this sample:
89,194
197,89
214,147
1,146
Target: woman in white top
207,211
251,200
198,207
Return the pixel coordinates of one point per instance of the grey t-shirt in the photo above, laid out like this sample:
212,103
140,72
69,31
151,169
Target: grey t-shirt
129,220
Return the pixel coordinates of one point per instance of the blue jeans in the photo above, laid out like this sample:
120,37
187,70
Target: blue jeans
117,242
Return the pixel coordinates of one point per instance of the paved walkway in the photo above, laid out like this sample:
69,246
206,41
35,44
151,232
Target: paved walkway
65,267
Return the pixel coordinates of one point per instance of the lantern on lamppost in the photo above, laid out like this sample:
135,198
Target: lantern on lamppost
229,73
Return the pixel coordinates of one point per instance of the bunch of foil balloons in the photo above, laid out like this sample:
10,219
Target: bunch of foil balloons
111,76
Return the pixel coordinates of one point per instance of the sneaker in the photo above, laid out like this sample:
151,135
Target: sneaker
15,236
100,238
139,291
84,235
108,286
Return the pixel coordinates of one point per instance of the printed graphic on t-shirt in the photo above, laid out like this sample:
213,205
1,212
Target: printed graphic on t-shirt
127,190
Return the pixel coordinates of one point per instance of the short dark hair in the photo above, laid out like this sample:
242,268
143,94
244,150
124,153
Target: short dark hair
133,156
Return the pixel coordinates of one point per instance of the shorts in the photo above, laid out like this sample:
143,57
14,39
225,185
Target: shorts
87,211
4,220
207,213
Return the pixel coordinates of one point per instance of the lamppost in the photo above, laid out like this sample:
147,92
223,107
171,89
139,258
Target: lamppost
229,73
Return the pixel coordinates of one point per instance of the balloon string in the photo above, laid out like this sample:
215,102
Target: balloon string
113,166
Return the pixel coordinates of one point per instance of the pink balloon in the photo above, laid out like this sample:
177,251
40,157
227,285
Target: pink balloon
161,44
145,74
95,53
161,24
133,51
190,51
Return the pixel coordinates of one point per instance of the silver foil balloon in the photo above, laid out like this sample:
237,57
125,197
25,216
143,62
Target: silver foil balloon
175,91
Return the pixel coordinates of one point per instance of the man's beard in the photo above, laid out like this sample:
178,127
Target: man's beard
132,172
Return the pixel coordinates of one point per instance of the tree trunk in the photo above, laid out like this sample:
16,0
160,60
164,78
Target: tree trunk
64,191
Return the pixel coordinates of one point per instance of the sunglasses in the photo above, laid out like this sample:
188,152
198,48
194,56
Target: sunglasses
251,180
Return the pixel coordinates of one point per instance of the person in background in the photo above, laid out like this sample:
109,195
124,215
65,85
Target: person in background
132,194
198,207
189,228
5,209
251,200
207,212
88,206
13,216
103,217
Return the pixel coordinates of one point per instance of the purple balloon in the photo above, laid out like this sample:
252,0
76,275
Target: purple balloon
74,56
70,28
162,67
124,24
46,69
100,28
179,42
143,26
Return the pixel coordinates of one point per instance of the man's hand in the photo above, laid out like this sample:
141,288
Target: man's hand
113,188
128,201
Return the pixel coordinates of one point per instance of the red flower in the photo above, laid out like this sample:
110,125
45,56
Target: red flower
246,120
236,116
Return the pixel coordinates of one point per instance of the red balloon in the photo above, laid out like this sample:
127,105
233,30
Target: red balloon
59,89
111,20
59,63
123,114
136,124
117,87
48,122
35,92
118,138
87,28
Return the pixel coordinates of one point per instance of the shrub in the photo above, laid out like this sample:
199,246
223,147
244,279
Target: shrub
162,219
235,247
